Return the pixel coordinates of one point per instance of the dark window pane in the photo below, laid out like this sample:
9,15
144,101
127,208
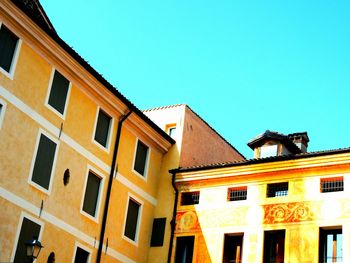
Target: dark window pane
184,249
331,245
334,184
8,42
131,219
29,230
237,193
140,158
44,162
233,248
102,128
274,246
91,194
158,232
81,256
190,198
278,189
59,91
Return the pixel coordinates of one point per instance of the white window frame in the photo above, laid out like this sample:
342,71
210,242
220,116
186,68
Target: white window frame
268,151
110,131
139,219
34,184
10,74
100,191
19,226
144,177
76,245
63,116
2,111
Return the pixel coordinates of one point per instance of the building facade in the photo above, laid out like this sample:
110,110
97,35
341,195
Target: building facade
82,169
286,205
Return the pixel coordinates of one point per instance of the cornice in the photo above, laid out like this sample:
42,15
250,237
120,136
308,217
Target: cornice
254,169
46,47
135,123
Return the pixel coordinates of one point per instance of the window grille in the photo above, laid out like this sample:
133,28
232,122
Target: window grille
237,193
334,184
190,198
276,190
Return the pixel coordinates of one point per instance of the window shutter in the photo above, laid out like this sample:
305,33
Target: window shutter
29,230
91,194
102,128
44,162
158,232
59,91
131,219
140,158
8,42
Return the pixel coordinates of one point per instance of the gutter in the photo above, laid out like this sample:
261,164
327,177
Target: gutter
173,220
109,187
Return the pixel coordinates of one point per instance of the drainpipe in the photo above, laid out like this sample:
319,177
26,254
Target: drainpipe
109,187
173,220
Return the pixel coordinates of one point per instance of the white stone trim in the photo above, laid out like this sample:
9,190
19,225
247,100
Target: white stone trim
2,111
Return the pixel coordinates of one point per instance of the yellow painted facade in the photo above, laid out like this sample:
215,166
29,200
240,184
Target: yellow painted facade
302,213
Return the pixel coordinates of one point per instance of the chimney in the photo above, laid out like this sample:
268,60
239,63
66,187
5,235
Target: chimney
300,139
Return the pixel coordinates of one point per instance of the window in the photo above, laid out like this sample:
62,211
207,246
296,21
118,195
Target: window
276,190
158,232
81,255
274,246
91,196
268,151
2,111
29,230
233,244
333,184
190,198
172,132
44,162
58,92
8,46
132,220
331,245
141,157
184,249
102,130
237,193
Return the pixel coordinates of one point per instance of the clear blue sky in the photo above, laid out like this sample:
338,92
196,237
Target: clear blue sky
244,66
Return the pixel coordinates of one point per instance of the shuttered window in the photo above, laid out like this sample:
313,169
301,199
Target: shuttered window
8,43
132,219
29,230
58,92
81,256
44,162
158,232
140,158
102,128
91,194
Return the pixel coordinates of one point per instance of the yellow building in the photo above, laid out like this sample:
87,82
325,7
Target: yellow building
286,205
83,170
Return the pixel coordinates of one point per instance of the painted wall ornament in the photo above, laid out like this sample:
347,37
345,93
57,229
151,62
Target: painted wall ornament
287,213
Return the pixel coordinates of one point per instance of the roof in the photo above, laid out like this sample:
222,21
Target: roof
196,114
262,160
285,139
36,13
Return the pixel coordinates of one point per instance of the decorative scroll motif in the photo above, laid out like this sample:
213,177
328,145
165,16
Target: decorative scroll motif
186,221
287,213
